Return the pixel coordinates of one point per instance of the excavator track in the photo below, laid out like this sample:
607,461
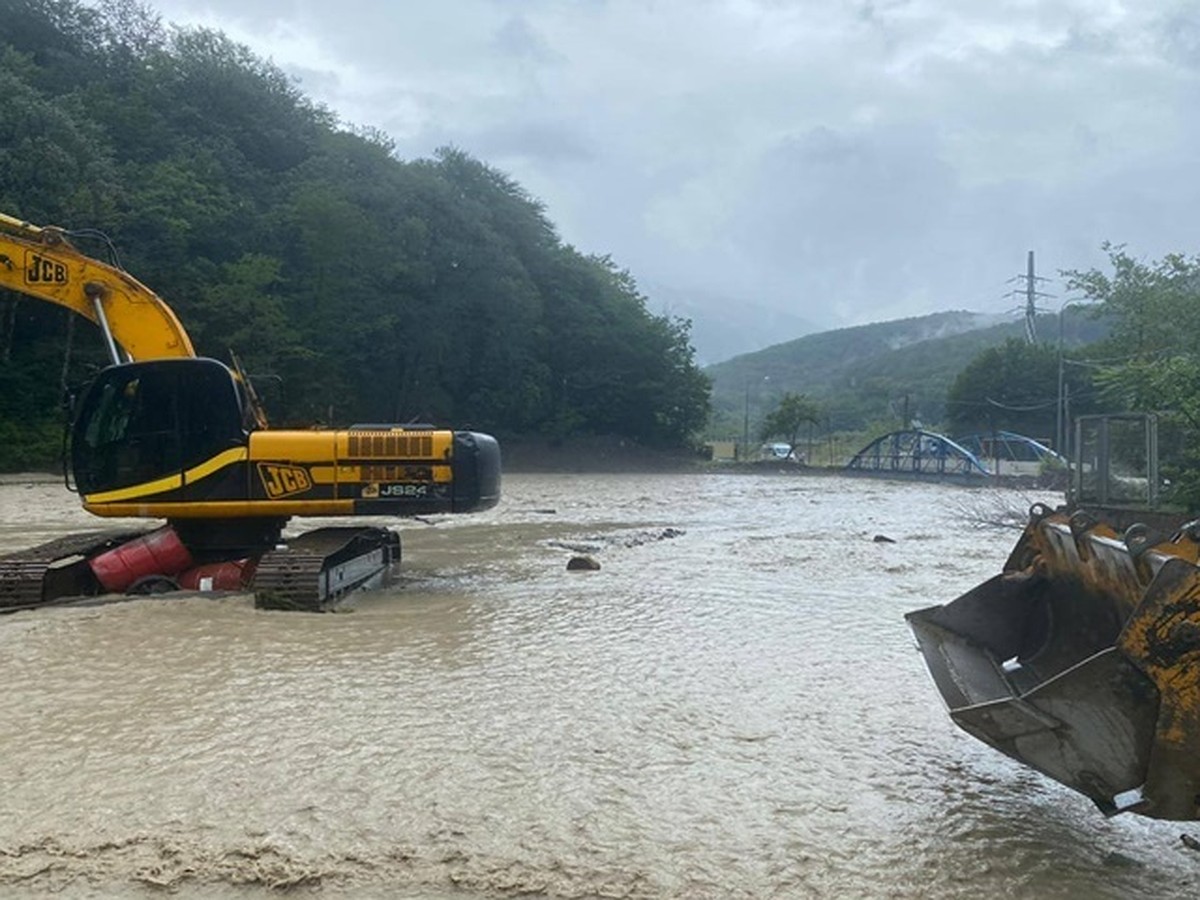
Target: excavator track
39,575
313,572
162,433
317,570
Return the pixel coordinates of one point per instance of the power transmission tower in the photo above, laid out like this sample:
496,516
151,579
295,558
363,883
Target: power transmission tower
1031,295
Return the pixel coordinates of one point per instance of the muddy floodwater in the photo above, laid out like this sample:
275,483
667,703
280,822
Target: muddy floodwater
731,707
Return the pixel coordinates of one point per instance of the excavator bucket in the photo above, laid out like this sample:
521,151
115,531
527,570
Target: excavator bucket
1082,660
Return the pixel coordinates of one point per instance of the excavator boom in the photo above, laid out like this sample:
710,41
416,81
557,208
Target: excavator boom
41,262
164,433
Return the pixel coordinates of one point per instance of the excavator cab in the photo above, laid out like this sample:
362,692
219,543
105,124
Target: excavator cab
144,421
165,434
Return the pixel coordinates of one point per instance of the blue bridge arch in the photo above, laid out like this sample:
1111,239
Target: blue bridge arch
917,452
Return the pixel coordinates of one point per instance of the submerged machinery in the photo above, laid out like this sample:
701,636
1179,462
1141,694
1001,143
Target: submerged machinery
163,433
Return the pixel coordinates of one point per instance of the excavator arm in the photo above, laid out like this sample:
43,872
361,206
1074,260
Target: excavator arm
137,324
163,433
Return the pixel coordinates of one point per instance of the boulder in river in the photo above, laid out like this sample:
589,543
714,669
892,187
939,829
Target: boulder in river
582,564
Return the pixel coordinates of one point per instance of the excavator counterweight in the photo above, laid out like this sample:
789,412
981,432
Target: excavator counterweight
163,433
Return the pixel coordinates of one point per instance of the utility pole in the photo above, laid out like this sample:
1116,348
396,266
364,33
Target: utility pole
1059,440
1061,422
1030,302
746,424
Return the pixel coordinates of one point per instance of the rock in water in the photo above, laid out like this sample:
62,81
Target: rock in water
582,564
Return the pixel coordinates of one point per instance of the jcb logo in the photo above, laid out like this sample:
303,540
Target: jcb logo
39,270
282,481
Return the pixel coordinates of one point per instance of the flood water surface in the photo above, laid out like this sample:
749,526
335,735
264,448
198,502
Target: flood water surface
731,707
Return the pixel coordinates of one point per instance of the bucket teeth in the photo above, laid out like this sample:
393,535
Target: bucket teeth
1162,638
1082,660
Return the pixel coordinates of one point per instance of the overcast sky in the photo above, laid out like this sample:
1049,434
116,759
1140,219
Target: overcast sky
833,162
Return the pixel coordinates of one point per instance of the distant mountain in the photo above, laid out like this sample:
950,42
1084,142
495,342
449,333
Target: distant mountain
724,327
884,372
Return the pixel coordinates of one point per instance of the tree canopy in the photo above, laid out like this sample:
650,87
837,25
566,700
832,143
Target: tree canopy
1150,362
372,288
1015,387
789,417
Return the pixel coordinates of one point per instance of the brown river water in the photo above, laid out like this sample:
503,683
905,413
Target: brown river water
732,707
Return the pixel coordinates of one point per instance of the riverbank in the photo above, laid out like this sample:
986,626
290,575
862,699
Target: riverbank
29,477
599,454
616,455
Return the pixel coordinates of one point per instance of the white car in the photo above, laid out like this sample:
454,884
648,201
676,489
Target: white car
778,451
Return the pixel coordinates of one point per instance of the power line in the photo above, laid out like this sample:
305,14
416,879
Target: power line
1010,408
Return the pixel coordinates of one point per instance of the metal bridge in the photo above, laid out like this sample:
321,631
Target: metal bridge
1008,453
917,452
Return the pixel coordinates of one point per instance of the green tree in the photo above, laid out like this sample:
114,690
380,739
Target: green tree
1152,363
1152,305
1015,387
793,412
375,289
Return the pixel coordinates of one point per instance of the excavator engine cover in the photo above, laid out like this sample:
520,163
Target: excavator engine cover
1082,660
164,434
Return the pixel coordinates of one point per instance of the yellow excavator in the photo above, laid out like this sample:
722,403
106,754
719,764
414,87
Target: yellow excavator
1081,659
163,433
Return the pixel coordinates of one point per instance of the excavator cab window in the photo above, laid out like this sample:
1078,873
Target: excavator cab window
143,421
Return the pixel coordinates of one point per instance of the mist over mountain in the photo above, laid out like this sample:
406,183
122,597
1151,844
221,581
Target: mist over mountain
725,326
868,375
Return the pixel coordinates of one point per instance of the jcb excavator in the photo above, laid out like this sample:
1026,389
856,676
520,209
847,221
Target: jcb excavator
1081,659
163,433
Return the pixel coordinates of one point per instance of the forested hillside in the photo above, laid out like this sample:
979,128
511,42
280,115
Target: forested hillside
872,375
365,287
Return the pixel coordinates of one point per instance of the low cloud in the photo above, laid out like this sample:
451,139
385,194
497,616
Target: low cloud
837,162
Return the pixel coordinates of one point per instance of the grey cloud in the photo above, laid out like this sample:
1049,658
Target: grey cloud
848,161
538,142
1179,35
518,38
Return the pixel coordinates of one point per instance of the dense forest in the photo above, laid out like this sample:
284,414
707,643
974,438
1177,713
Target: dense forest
354,286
